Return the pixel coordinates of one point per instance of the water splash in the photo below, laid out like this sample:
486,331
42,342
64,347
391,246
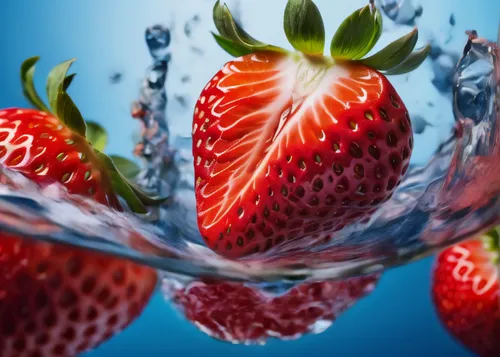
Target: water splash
158,40
402,12
423,215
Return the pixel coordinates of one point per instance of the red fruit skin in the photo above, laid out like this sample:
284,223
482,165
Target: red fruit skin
59,301
56,300
465,292
36,144
262,180
237,313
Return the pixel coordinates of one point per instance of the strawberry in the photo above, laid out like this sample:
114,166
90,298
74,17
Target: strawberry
57,300
240,313
289,145
466,293
61,301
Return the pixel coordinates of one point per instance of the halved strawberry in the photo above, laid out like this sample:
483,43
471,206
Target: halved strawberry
292,145
57,300
466,293
239,313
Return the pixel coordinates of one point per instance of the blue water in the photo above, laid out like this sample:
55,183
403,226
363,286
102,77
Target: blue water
397,319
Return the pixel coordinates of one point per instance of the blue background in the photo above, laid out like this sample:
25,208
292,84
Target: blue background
397,319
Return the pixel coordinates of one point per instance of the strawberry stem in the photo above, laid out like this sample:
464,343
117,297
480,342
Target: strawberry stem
356,37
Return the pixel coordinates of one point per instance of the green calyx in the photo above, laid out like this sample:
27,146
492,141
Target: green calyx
491,241
62,106
355,38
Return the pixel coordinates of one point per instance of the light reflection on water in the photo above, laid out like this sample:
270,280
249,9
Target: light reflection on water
424,214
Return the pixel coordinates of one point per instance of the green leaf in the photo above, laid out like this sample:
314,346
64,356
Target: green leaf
228,28
29,90
67,81
304,27
68,113
412,62
55,82
127,168
358,34
121,185
393,54
230,47
96,135
233,39
148,200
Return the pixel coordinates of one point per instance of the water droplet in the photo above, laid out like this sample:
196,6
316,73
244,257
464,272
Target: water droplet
158,39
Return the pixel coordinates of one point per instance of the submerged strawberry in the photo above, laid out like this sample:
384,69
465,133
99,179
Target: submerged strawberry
291,145
56,300
238,313
466,293
60,301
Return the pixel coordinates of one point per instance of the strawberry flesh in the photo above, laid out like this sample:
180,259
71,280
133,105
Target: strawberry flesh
285,148
239,313
466,296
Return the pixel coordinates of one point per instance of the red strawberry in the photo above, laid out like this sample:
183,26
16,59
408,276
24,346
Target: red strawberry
291,145
466,293
61,301
239,313
57,300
